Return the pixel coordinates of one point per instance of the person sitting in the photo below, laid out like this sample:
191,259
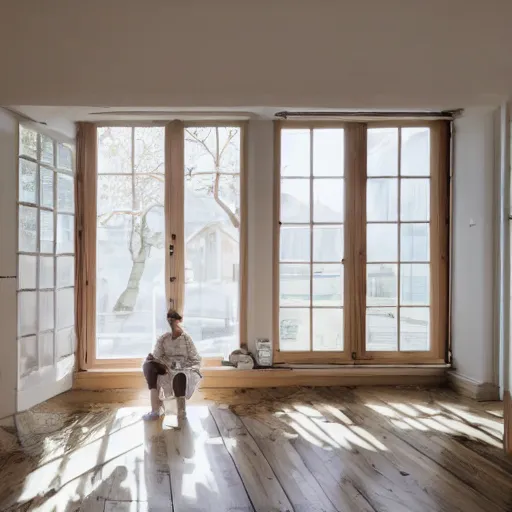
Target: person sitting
172,369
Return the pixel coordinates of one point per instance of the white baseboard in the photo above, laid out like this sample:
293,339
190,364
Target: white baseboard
479,391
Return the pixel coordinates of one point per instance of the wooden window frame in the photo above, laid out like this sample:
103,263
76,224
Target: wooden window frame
174,214
355,246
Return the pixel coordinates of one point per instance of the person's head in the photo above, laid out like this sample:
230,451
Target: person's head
173,317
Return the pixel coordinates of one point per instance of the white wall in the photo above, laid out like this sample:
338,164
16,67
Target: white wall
474,336
8,264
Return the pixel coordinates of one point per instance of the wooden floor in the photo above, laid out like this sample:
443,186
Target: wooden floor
304,450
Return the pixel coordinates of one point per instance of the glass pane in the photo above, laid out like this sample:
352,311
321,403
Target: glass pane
65,234
327,244
65,271
46,270
295,153
295,200
27,182
295,244
114,150
149,154
415,152
414,242
27,238
28,142
415,329
65,193
328,329
381,329
381,285
115,195
46,311
328,152
27,313
47,232
46,186
294,285
328,285
382,152
64,343
46,348
27,272
28,355
382,200
212,233
414,284
328,200
65,157
293,329
382,242
415,199
66,308
47,150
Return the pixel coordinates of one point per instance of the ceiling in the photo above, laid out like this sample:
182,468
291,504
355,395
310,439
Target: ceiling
361,54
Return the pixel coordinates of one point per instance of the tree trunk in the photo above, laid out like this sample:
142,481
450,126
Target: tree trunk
128,299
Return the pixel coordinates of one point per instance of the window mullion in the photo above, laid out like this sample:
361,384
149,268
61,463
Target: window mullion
311,198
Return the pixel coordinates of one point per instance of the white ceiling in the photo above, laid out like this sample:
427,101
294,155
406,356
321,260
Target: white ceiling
362,54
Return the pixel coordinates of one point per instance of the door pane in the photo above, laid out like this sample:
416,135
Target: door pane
47,232
295,200
28,142
414,242
382,200
328,329
212,233
328,285
415,329
295,244
64,342
46,311
65,234
414,284
294,329
382,152
64,157
27,238
27,313
46,190
65,271
27,182
328,152
381,329
382,242
328,200
295,151
381,285
47,150
294,285
28,355
65,193
327,244
65,308
46,272
415,200
27,272
415,152
46,348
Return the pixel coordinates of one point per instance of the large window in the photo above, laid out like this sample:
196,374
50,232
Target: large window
46,206
363,208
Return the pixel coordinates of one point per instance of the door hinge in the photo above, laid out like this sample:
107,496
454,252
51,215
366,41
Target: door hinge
172,279
354,356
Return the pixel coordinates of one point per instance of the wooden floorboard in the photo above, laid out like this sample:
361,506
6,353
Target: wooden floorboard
274,449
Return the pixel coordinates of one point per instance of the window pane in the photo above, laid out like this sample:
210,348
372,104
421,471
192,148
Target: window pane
28,182
382,152
415,329
47,232
46,270
382,200
328,285
46,348
28,142
295,153
414,242
149,154
28,355
47,150
64,342
65,234
415,200
415,152
27,313
65,271
382,242
414,284
327,329
328,197
381,329
327,243
294,285
46,186
114,150
381,285
295,244
295,200
27,272
115,196
66,308
65,157
293,329
27,229
65,193
328,152
46,311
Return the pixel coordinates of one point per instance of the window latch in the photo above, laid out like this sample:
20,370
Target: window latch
172,279
171,250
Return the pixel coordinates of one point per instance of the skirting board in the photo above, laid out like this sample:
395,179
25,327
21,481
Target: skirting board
226,377
479,391
507,416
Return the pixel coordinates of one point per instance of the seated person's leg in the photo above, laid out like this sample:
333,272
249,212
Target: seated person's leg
152,370
179,385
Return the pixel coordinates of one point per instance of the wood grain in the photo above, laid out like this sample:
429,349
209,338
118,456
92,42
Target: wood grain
507,437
